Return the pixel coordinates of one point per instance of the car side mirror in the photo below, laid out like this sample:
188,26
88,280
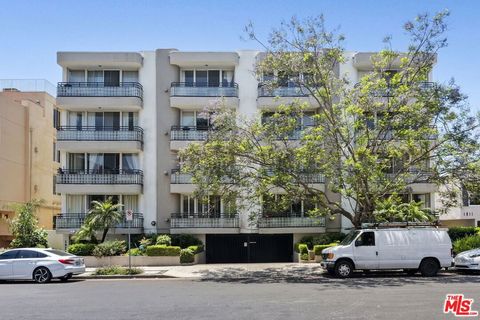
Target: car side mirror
358,243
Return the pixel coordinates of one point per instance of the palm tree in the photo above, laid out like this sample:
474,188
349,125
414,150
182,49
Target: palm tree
103,216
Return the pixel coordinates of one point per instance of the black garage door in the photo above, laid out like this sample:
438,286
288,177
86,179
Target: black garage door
240,248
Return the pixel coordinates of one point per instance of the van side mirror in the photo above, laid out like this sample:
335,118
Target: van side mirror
358,243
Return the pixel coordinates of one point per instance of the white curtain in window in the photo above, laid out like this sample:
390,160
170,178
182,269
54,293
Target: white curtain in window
130,76
95,161
188,118
75,203
129,161
126,118
91,119
76,76
130,202
72,118
95,76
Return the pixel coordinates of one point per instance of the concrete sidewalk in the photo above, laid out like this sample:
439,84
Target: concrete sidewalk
230,271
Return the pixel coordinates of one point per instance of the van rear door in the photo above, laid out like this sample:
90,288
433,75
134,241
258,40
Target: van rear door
365,251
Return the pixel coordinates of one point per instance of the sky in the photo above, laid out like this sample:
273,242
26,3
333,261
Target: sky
31,32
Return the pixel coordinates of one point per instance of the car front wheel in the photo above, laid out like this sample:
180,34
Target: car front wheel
42,275
343,269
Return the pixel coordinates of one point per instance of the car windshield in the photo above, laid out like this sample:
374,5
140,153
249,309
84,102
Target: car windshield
349,238
58,252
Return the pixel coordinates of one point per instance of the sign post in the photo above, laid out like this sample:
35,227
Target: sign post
129,219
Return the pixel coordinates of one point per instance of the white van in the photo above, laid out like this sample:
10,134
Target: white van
412,249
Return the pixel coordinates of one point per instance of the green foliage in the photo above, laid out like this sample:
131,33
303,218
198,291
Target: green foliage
110,248
145,242
393,210
187,256
304,257
321,239
162,250
24,226
302,248
196,249
466,243
185,240
456,233
164,239
81,249
117,270
318,248
103,216
136,252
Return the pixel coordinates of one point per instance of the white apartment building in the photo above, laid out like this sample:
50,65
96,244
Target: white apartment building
125,115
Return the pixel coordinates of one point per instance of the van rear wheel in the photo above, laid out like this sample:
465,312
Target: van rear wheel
429,267
343,269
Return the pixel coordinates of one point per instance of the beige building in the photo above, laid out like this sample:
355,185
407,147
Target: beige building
28,157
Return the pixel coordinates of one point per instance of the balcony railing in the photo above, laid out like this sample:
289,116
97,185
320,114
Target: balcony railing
114,176
99,89
390,90
307,177
201,89
293,220
177,177
290,91
204,220
76,220
413,176
188,133
92,133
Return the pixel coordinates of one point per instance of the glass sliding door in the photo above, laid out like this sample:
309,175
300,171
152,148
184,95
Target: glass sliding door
129,162
111,78
201,78
111,162
76,162
111,121
95,76
213,78
188,78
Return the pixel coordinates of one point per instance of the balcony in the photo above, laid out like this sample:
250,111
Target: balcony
418,180
66,222
99,181
182,182
180,136
389,91
275,222
196,95
198,222
104,139
270,98
80,96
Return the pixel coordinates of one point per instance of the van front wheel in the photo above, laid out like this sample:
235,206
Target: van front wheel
343,269
429,267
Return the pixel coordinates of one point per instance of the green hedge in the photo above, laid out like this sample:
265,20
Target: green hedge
302,248
136,252
325,238
466,243
110,248
187,256
185,240
456,233
196,249
164,240
81,249
319,248
162,250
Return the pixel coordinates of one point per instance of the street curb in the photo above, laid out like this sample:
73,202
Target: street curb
138,276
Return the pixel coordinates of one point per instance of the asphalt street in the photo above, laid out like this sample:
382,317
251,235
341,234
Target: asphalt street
258,296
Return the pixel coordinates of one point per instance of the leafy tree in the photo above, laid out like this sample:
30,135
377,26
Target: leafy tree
24,226
103,216
369,140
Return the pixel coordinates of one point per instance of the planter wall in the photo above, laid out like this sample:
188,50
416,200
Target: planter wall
139,261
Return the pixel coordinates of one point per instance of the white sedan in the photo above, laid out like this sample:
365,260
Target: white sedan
41,265
468,260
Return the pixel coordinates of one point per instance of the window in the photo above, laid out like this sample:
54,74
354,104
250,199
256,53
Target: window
76,76
58,253
208,78
56,118
76,162
189,78
366,239
111,78
29,254
130,76
12,254
54,185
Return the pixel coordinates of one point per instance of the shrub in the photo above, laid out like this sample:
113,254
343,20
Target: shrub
185,240
456,233
136,252
164,240
196,249
302,248
81,249
325,238
466,243
187,256
304,257
110,248
318,248
159,250
117,270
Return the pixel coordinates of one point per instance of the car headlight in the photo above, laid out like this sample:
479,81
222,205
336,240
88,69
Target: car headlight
330,255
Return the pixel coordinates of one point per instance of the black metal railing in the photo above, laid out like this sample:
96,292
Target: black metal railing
189,133
99,89
76,220
94,133
105,176
389,91
306,177
204,220
287,91
202,89
289,220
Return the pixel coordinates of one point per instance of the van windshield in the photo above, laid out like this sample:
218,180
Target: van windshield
349,238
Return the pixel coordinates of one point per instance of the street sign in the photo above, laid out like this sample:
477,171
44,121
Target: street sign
129,215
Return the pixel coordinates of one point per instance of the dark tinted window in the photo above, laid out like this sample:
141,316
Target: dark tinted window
8,255
367,239
27,254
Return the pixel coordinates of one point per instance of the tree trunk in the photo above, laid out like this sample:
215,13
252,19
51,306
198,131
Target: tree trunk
104,235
